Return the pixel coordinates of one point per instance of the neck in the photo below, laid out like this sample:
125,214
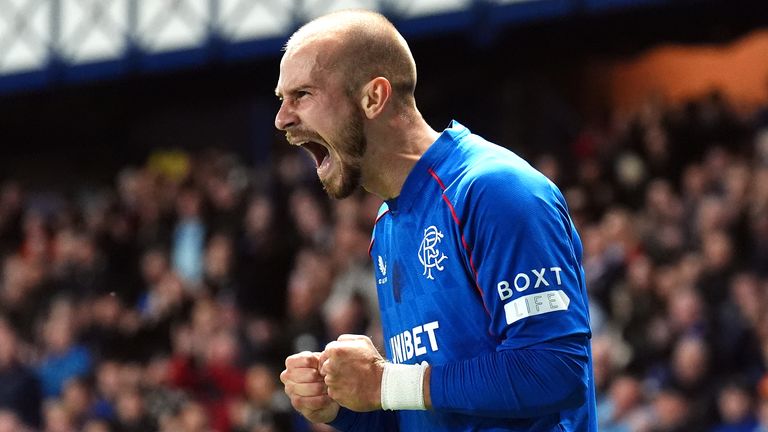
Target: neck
394,147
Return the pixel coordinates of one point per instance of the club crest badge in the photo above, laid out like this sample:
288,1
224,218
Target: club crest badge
429,254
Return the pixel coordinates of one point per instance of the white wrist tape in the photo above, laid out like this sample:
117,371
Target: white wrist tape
402,386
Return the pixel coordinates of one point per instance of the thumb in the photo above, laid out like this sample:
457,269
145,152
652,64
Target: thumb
357,339
352,337
321,359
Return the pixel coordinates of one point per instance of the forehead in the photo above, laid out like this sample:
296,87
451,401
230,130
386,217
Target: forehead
307,63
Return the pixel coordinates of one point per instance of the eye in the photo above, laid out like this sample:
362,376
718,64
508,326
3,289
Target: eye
301,93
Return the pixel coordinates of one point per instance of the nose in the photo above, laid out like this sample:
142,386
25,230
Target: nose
285,117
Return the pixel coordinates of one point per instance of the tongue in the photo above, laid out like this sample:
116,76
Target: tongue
326,161
325,165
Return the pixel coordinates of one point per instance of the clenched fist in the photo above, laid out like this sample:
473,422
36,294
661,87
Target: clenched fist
352,368
306,387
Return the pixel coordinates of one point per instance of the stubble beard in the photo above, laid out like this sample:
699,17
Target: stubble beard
350,169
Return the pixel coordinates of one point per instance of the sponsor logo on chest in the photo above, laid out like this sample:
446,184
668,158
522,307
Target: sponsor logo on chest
414,342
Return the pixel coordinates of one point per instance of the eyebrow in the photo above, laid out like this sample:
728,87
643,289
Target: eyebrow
294,90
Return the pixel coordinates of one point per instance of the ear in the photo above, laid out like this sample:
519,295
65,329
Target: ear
376,96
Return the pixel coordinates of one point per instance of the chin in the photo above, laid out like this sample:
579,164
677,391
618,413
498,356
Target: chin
343,181
339,189
337,192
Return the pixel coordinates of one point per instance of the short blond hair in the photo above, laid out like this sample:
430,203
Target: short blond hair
367,45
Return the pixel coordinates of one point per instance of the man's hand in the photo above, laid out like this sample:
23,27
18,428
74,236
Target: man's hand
352,368
306,388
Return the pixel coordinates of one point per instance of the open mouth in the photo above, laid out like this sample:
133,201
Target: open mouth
318,151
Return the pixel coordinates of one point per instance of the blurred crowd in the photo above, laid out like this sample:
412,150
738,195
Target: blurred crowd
169,300
672,206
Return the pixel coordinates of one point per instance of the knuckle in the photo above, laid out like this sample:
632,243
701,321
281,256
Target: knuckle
316,375
317,403
296,401
316,388
297,360
333,347
307,390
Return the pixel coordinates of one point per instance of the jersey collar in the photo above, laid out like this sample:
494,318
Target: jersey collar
432,158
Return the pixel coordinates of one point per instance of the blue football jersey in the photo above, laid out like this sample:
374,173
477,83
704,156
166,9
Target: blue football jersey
478,255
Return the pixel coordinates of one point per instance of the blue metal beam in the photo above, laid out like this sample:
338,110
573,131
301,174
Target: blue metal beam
481,21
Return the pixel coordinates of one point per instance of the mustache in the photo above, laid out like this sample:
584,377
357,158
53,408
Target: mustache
300,135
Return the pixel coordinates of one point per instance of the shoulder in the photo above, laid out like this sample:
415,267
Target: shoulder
497,183
497,173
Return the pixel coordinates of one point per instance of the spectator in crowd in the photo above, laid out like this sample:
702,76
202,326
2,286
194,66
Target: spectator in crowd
107,389
265,252
63,358
10,422
189,238
163,401
622,409
671,412
131,415
263,407
77,400
20,393
735,406
96,425
56,418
